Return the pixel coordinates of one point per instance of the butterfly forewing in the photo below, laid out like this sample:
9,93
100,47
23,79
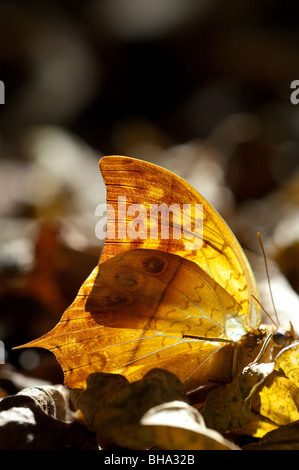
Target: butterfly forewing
220,254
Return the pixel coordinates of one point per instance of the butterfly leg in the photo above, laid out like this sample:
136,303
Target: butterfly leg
235,361
263,349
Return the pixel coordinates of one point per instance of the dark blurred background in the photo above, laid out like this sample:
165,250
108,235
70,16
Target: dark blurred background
201,88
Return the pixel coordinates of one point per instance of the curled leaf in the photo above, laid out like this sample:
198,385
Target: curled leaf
288,361
40,418
284,438
228,407
177,425
113,407
277,401
152,412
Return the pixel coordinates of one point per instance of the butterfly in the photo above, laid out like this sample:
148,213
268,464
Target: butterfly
157,301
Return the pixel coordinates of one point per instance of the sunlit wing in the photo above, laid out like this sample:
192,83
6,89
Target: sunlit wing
220,255
137,311
139,307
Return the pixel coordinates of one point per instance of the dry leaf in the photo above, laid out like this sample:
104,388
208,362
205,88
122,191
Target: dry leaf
228,407
40,418
148,413
277,401
284,438
288,361
113,407
261,398
178,426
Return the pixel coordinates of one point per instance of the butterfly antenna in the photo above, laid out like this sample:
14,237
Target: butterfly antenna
268,314
269,283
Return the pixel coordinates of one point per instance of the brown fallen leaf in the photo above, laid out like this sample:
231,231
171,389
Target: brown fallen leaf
277,401
113,407
284,438
178,426
228,407
260,399
40,418
152,412
288,361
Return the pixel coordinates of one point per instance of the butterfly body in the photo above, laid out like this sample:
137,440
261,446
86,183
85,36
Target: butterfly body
152,303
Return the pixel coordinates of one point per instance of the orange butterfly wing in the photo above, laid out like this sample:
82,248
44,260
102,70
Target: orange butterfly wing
220,255
137,307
